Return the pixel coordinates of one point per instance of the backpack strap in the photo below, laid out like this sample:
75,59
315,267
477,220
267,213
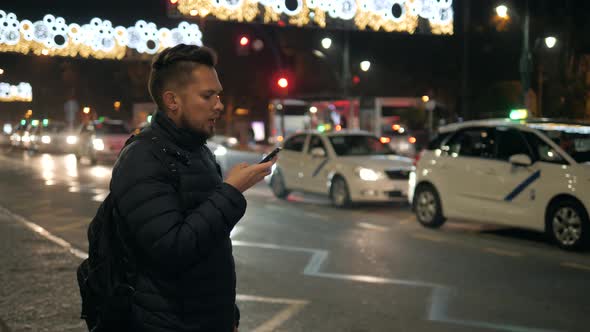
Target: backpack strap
167,155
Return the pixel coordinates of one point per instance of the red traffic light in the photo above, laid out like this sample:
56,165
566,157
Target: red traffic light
283,83
244,41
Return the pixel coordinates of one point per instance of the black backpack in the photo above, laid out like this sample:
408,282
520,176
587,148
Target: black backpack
107,277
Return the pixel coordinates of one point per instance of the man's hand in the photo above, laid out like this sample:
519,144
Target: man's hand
243,176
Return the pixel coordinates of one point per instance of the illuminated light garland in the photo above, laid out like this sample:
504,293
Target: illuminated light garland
21,92
51,36
364,14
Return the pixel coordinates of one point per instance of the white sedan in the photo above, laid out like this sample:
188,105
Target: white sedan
349,166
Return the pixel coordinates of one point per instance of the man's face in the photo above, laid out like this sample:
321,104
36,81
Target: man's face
199,104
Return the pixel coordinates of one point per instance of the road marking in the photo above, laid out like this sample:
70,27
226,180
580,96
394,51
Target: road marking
429,237
44,233
576,266
294,306
438,305
319,256
373,227
502,252
440,302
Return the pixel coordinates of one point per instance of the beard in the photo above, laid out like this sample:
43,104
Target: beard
207,130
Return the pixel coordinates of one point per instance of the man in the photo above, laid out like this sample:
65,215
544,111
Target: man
178,220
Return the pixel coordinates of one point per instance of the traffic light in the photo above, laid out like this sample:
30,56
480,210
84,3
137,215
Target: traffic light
243,47
282,83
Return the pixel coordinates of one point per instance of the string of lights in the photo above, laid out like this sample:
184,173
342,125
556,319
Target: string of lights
386,15
52,36
21,92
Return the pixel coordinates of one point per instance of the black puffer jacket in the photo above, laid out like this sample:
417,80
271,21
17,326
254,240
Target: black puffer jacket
179,225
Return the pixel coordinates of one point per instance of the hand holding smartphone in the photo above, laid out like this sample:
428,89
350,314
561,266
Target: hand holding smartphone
270,155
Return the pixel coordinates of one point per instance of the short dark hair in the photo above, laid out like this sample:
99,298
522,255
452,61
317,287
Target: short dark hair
174,65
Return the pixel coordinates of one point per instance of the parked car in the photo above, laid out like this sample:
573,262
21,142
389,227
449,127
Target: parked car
527,174
349,166
101,140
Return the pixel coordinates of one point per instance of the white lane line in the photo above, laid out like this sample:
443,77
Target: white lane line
440,301
44,233
373,227
280,318
319,256
294,305
440,294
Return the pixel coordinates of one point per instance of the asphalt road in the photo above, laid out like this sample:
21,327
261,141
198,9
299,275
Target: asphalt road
302,265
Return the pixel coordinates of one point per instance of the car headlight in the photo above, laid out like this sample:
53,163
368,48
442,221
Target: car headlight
71,140
98,144
45,139
220,151
367,174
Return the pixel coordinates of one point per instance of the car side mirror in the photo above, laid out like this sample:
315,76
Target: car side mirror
520,160
318,153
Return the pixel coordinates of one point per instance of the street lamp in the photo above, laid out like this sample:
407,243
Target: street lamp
1,71
326,43
365,65
502,11
550,41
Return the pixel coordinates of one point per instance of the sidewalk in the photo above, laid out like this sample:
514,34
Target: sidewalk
38,288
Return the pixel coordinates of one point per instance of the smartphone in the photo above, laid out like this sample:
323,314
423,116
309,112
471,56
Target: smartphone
270,155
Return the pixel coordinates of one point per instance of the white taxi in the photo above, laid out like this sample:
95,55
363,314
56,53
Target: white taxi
349,166
526,174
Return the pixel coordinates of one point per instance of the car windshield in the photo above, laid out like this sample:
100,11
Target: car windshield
111,128
358,145
573,139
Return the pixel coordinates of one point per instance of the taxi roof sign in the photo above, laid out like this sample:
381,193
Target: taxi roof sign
519,114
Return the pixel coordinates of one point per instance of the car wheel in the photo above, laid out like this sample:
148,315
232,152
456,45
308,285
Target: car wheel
339,193
277,184
427,207
568,225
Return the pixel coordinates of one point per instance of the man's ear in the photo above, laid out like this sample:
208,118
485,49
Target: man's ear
170,101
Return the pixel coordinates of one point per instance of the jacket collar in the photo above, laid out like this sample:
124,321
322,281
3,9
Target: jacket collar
184,138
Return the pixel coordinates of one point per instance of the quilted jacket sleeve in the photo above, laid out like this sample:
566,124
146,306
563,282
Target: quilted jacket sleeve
148,202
